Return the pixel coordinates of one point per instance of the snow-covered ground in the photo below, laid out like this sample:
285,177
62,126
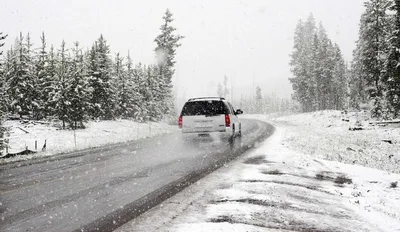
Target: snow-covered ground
279,186
326,135
96,134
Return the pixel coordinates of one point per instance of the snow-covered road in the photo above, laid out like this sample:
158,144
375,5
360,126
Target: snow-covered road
109,186
273,188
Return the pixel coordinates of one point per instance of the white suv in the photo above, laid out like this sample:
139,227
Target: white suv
210,115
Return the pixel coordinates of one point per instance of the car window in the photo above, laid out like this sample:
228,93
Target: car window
232,109
204,108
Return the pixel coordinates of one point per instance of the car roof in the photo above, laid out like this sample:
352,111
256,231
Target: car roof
207,99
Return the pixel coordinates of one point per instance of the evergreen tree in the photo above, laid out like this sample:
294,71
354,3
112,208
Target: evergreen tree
167,43
100,80
63,73
3,95
20,81
50,83
77,91
259,99
123,78
357,84
132,89
34,94
44,82
393,63
374,28
304,82
339,84
144,94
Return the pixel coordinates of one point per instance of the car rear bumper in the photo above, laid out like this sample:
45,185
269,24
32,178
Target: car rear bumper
226,130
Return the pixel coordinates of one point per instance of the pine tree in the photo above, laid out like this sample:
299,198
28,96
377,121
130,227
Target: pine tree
34,95
374,28
259,98
167,43
44,81
357,84
63,73
302,65
339,83
20,81
50,83
77,91
132,87
140,89
3,95
100,80
393,63
124,87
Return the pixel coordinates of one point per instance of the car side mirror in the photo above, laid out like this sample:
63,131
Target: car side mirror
239,111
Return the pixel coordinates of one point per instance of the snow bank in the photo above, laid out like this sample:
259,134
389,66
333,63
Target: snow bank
96,134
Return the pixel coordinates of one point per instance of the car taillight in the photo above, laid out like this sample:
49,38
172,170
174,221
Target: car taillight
227,120
180,122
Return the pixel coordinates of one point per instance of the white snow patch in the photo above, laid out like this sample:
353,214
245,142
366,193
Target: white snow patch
61,141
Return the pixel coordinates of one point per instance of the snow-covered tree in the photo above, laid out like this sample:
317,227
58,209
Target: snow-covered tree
339,83
3,94
123,78
43,81
393,63
20,81
319,81
77,91
167,43
100,80
259,100
50,83
132,88
63,73
373,47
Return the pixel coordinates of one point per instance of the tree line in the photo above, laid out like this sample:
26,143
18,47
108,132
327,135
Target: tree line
75,84
322,79
375,69
318,68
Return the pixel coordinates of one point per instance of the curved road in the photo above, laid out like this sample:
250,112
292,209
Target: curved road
101,189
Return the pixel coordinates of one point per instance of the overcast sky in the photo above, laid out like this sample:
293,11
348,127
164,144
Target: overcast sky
249,41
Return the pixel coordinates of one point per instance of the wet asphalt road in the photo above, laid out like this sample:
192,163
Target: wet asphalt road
101,189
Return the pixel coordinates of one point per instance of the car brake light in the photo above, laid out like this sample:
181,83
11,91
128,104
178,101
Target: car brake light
180,122
227,120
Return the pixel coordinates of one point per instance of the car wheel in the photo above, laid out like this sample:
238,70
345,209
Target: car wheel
240,130
232,137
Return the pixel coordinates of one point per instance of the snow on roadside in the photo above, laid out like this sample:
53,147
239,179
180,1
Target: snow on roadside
96,134
275,188
326,135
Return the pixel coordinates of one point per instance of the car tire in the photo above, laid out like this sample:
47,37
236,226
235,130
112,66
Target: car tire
240,130
232,137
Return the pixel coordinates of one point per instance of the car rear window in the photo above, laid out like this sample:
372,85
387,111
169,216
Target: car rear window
204,108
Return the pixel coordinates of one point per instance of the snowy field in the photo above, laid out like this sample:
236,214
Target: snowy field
326,135
278,187
96,134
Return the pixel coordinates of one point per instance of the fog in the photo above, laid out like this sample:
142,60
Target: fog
248,41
